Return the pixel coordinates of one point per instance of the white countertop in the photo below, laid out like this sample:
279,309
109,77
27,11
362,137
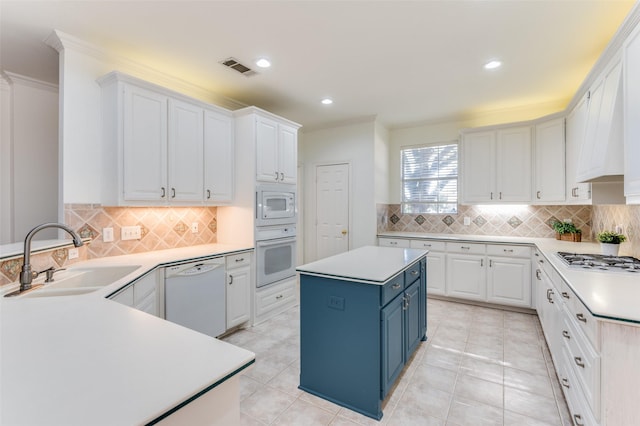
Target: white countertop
79,360
370,264
607,295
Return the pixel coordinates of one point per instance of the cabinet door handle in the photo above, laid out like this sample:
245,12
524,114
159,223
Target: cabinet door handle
230,279
164,192
565,295
481,262
395,286
577,418
565,382
538,195
281,176
501,195
578,361
208,194
538,274
491,196
276,175
566,334
173,193
549,293
490,263
581,317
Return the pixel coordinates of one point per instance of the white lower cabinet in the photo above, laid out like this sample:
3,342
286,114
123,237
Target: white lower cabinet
274,298
238,270
143,294
466,277
436,264
509,275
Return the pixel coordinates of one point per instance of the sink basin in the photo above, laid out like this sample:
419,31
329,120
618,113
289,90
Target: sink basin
76,281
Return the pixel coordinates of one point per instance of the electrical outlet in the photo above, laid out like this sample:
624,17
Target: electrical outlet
618,229
107,235
130,233
194,228
467,221
73,253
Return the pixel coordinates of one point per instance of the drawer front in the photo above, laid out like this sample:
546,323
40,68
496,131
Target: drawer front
586,322
274,296
584,362
238,260
544,264
508,250
393,242
467,248
429,245
579,409
392,288
411,274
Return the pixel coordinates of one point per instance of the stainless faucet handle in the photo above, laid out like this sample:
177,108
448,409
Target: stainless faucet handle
50,271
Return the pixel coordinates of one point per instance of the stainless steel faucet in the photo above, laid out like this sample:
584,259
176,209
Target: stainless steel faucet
26,275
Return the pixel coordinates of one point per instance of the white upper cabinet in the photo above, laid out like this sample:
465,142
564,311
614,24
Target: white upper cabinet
185,152
632,117
218,157
276,151
144,145
549,152
601,154
157,148
496,166
576,192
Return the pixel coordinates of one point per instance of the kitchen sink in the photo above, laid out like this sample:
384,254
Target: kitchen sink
75,281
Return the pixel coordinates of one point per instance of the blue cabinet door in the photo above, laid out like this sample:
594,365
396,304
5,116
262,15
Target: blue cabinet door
393,343
412,315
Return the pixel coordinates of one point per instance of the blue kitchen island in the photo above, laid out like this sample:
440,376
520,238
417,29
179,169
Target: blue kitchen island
362,315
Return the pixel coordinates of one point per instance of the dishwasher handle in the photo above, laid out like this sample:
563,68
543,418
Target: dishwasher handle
199,269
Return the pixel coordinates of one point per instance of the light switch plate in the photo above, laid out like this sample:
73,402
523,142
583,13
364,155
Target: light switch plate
73,253
467,221
130,233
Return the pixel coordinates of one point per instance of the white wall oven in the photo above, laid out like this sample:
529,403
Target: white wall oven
275,254
275,204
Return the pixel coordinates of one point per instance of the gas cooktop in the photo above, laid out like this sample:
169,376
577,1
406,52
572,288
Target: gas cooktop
601,262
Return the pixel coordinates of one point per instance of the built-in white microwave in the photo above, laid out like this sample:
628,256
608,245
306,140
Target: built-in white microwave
275,204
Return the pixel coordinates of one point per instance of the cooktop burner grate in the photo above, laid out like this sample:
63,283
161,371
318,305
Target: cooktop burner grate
601,262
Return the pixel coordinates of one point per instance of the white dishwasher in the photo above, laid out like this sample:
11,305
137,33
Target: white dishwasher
195,296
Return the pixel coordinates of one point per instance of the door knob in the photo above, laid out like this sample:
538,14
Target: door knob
344,232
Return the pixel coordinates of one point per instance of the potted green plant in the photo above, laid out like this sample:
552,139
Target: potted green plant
567,231
610,242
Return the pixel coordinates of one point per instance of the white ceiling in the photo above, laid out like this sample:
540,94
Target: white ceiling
406,62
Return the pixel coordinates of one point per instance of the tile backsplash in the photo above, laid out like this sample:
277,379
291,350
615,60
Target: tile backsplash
606,218
162,228
517,221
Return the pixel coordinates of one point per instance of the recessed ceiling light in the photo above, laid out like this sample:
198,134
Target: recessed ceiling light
492,65
263,63
327,101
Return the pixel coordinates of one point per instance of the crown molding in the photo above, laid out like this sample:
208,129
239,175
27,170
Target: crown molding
61,41
13,78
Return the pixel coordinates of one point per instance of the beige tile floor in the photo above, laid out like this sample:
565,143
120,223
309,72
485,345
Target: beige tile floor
479,366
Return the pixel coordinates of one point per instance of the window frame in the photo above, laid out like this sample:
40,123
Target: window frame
403,202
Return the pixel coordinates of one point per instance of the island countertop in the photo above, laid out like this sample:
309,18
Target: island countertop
369,264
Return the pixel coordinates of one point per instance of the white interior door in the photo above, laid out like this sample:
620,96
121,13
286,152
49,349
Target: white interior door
332,209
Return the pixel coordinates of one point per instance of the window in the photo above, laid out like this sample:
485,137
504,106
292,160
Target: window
430,179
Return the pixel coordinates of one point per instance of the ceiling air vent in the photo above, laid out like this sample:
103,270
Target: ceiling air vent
242,69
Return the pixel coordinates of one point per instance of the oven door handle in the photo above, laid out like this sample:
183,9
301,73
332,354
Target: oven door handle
275,242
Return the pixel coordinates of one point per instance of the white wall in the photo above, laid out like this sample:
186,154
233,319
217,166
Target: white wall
6,169
353,144
30,157
381,164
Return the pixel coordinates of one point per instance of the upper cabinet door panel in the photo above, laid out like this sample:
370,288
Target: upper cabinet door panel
185,152
218,157
549,161
576,123
145,144
478,167
288,154
514,164
632,118
267,150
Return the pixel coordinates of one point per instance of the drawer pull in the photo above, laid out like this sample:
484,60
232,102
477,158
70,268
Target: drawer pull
465,248
278,297
395,286
393,243
565,383
565,295
578,419
240,260
566,334
578,361
426,245
581,317
414,272
508,251
549,293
